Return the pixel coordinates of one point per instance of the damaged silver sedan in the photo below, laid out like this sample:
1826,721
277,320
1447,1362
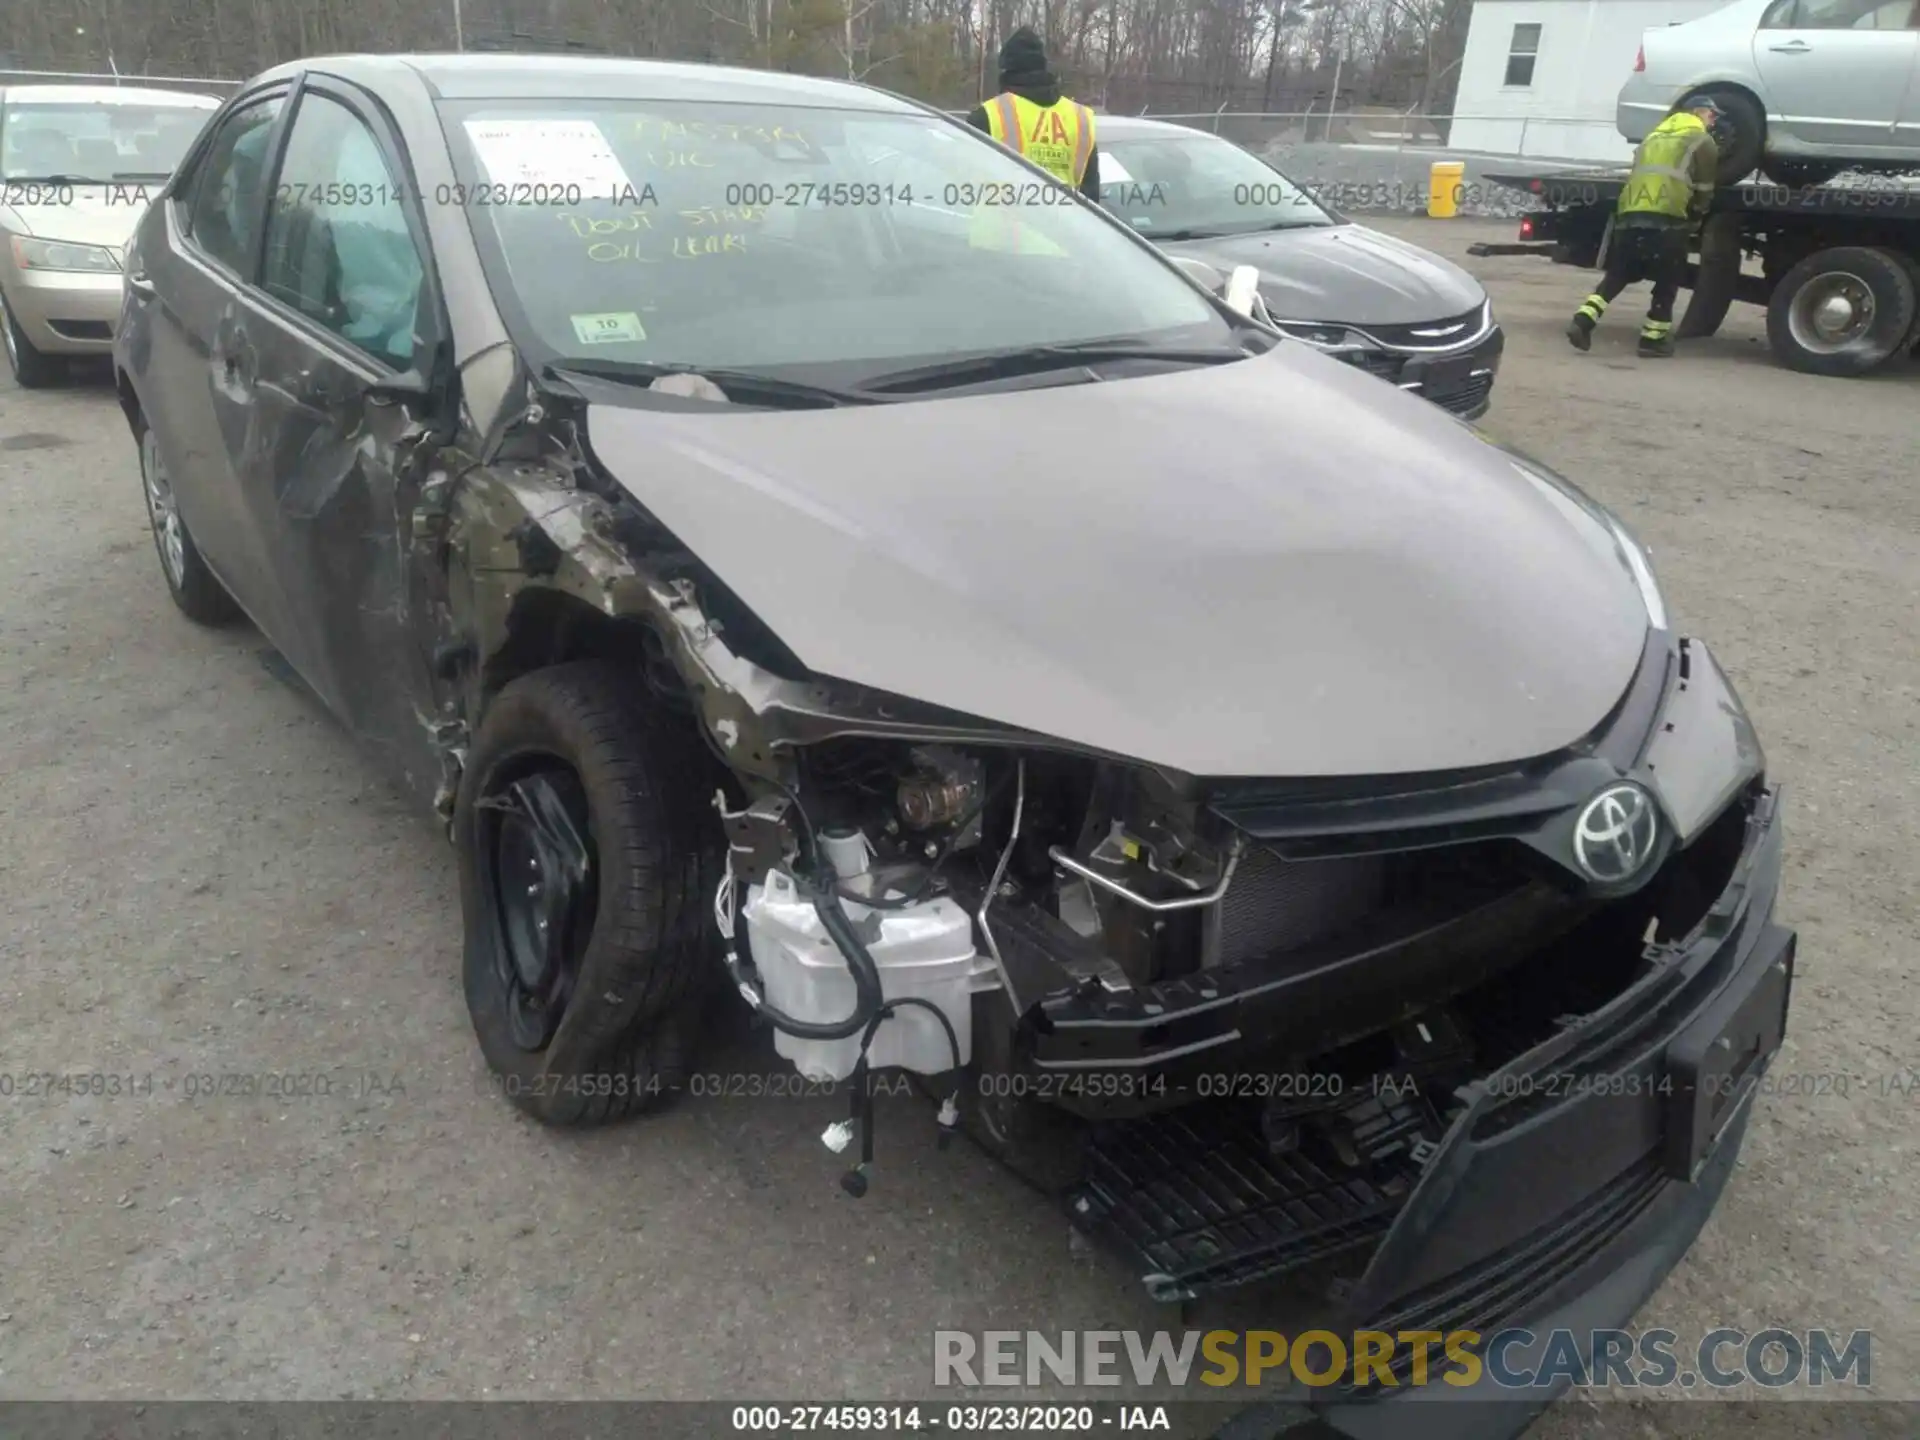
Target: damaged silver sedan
809,561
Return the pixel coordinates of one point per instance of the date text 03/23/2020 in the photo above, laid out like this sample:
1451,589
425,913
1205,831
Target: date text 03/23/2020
958,1420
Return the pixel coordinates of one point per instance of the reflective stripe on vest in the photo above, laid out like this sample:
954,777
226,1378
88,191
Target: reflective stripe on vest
1057,137
1662,181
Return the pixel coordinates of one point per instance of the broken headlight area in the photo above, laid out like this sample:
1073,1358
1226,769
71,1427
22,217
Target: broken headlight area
1229,1047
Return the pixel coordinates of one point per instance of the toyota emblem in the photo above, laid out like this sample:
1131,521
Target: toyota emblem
1614,837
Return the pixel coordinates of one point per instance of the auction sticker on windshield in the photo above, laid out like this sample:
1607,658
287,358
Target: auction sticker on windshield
553,154
608,329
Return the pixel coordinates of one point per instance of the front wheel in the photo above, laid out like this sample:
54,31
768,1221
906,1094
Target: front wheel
1842,311
588,859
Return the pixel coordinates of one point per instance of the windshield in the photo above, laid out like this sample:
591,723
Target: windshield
97,143
1196,186
746,236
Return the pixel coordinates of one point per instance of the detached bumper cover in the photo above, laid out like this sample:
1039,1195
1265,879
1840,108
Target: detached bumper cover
1549,1213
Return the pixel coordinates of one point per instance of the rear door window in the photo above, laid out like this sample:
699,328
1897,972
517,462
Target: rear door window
229,193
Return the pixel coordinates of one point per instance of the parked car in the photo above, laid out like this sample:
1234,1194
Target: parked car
1005,663
77,163
1391,308
1807,88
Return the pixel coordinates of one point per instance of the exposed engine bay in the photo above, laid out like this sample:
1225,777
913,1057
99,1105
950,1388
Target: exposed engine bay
1228,1020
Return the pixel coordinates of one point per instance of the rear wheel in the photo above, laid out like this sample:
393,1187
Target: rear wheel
1842,311
1741,135
588,858
32,369
201,597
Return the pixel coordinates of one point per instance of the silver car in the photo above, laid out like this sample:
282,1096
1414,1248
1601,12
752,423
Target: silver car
77,165
1807,88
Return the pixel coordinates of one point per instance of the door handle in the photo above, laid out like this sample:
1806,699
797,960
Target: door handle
139,286
1792,47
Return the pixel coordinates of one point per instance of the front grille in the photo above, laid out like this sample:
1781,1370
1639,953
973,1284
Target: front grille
1201,1202
1463,398
1403,336
1275,904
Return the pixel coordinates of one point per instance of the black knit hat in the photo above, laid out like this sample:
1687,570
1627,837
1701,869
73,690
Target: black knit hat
1023,56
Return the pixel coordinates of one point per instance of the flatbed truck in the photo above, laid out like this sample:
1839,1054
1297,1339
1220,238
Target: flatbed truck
1839,264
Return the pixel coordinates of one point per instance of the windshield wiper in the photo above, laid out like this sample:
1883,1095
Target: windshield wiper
747,382
1216,234
142,174
1035,359
52,180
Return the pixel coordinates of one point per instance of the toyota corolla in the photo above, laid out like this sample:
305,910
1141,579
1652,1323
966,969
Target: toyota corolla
808,562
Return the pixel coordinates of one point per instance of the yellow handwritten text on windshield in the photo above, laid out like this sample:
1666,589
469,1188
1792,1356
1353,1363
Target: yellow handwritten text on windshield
635,238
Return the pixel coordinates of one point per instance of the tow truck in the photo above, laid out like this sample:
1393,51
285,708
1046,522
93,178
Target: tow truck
1839,264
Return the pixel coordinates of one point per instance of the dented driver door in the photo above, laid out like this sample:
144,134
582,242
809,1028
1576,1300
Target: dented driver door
335,328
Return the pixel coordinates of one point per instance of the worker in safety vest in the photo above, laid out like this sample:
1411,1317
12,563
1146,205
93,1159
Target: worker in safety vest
1665,197
1033,119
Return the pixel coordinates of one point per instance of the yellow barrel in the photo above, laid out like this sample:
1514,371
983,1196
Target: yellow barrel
1443,199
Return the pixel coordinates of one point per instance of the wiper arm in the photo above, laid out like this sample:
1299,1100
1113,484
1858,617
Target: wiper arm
1035,359
773,387
52,180
1215,234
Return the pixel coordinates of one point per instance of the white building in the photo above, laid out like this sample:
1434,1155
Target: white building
1539,77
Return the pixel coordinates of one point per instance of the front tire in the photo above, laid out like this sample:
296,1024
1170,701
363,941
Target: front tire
588,859
200,596
32,369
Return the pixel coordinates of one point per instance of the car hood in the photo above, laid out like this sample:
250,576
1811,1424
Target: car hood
1343,272
1280,567
98,215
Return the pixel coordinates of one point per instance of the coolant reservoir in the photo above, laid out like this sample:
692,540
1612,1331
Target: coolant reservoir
925,950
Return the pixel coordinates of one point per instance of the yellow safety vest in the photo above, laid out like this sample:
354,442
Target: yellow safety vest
1662,180
1056,137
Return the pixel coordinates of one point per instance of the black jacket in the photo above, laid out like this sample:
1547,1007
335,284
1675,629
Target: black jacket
1044,90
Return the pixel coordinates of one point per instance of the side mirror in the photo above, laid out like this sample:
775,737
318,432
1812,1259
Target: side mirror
1243,289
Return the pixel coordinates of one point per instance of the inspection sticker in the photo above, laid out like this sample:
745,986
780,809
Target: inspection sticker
552,153
610,328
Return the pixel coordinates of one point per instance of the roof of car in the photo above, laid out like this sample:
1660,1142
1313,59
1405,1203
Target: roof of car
506,76
104,95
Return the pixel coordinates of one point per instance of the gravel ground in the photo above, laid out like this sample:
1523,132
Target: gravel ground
202,878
